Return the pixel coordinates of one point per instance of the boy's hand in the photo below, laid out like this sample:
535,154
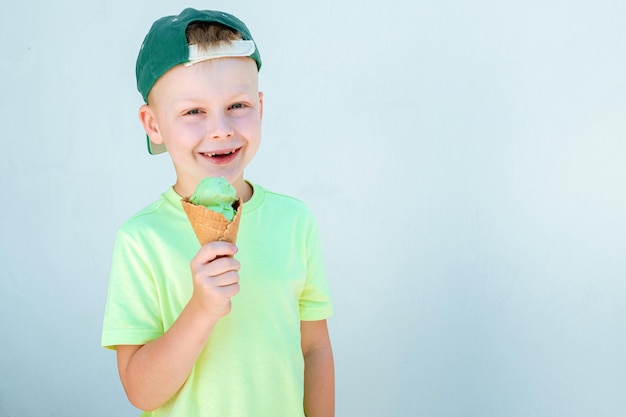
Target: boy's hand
215,278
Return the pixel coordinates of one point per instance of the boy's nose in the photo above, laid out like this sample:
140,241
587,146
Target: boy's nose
219,127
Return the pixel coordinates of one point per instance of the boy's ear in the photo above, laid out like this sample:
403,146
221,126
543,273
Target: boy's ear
261,104
150,125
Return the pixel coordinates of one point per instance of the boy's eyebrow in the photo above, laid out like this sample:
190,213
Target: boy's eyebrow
245,93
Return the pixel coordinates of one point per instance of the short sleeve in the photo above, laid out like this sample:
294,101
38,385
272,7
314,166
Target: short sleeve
132,314
315,302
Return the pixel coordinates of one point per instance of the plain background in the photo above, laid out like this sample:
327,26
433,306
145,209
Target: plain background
466,161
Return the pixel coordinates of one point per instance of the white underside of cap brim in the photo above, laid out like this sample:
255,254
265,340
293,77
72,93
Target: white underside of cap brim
225,50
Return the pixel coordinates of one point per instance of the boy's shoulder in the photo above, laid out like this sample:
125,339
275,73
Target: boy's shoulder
151,216
283,198
283,202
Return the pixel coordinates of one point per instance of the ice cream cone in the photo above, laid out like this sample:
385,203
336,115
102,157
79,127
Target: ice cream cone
209,225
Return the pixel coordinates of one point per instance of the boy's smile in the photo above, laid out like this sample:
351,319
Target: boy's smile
221,156
208,116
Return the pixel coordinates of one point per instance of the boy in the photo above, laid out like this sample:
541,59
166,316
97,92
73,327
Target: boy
218,330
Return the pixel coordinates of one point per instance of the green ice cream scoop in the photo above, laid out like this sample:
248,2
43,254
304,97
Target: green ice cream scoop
216,193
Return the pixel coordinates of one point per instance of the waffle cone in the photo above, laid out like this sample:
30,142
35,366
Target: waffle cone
209,225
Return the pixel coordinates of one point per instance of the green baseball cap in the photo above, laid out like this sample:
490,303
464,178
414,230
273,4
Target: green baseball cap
166,46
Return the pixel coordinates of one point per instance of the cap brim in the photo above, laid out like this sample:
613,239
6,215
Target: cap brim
154,148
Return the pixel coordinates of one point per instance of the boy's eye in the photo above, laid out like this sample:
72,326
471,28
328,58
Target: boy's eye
237,106
194,111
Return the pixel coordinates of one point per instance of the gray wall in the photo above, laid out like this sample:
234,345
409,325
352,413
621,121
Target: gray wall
490,283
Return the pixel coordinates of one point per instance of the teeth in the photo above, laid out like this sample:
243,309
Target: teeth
215,154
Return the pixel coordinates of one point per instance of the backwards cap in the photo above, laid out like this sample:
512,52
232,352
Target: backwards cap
166,46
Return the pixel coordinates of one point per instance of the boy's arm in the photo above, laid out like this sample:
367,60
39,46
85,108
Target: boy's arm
153,372
319,373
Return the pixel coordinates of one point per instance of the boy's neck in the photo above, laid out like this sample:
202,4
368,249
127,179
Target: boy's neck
244,191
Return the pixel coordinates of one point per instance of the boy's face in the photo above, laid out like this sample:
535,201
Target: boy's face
208,116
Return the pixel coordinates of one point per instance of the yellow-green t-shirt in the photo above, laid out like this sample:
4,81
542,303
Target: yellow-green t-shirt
252,364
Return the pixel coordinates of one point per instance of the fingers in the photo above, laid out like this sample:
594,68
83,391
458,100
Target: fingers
215,274
217,267
215,258
227,285
214,250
